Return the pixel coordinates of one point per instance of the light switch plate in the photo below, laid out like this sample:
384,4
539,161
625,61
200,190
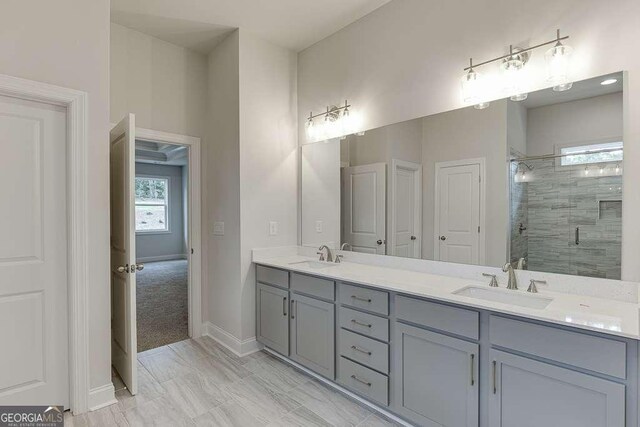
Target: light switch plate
273,228
218,228
318,226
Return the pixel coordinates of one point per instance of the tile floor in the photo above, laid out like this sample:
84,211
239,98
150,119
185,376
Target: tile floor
200,383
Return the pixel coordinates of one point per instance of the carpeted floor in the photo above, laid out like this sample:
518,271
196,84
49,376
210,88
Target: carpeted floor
161,292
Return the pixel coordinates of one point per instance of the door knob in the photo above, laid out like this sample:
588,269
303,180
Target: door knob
413,237
123,268
379,242
138,267
443,238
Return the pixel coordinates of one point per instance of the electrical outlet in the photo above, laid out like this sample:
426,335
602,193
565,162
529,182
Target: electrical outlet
273,228
218,228
318,226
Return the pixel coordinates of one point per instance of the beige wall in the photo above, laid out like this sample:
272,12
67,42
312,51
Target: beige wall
582,121
162,84
221,189
405,60
46,42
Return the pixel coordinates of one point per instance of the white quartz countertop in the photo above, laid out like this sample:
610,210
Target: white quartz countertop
583,312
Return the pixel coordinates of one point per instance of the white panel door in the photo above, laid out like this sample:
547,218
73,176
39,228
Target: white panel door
124,346
34,368
406,209
458,214
364,208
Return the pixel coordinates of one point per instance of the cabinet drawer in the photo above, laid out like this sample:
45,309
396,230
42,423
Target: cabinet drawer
321,288
272,276
366,299
366,351
364,381
597,354
364,323
445,318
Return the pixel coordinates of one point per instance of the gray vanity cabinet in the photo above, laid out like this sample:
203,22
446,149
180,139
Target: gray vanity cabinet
313,334
437,378
273,317
528,393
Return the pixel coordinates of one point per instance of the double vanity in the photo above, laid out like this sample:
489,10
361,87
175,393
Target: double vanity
437,350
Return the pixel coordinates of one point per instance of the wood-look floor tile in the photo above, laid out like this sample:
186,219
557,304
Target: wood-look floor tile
109,416
330,405
195,394
165,365
159,412
148,389
278,375
189,350
215,349
230,414
374,420
301,417
219,369
260,401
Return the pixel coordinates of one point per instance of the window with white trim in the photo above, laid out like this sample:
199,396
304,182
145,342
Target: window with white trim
152,204
592,153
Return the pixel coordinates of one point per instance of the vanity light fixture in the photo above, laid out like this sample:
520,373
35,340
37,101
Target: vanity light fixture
608,82
558,65
513,68
472,88
336,123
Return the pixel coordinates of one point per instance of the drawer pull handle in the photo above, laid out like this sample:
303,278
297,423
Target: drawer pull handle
284,306
368,384
292,307
494,377
353,347
357,298
355,322
473,356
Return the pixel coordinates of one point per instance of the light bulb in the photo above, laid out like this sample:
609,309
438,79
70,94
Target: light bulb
472,88
617,168
586,170
601,170
513,72
558,60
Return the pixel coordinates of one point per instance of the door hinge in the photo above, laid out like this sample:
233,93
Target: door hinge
478,229
191,251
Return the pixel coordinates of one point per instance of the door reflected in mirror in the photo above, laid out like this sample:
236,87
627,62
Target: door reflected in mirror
536,183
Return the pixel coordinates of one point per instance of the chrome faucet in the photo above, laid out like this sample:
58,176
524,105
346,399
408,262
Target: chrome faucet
513,280
320,252
344,245
494,282
532,285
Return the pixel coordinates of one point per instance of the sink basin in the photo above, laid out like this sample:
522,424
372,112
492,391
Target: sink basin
317,265
504,297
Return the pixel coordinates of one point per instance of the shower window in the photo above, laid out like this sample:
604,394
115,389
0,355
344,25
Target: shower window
591,153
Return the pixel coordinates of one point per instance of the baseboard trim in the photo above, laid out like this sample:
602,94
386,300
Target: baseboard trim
339,388
162,258
102,396
239,347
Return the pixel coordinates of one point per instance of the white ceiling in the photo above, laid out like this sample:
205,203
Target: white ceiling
580,90
201,24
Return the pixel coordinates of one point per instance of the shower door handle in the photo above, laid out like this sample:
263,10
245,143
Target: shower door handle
577,235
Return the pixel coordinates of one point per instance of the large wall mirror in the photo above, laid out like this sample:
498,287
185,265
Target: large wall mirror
537,183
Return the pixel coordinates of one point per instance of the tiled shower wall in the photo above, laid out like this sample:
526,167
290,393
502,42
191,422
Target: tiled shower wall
559,200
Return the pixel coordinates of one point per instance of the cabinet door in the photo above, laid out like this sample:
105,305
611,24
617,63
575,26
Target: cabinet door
528,393
313,334
436,378
273,318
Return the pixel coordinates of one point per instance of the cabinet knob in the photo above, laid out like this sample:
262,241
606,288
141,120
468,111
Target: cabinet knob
443,238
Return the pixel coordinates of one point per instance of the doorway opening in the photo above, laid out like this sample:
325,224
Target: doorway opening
161,223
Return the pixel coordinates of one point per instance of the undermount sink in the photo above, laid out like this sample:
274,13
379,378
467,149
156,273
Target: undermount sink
504,297
317,265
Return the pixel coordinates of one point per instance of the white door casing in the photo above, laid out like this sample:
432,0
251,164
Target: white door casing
365,208
123,251
406,209
459,212
34,326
